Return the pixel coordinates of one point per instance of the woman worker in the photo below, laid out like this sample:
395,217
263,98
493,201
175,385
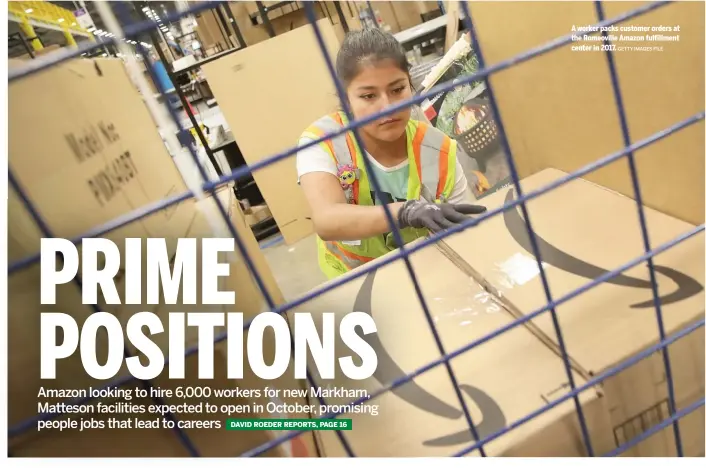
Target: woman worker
413,162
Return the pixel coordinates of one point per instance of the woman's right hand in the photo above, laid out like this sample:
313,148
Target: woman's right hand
436,217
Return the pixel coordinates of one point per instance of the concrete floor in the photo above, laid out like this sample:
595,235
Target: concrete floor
295,267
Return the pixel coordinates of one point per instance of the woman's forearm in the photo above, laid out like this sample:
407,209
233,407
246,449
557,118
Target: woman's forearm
344,222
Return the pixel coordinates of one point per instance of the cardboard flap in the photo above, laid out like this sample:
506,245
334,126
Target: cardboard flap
584,231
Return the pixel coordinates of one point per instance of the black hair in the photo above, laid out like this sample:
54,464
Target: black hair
368,45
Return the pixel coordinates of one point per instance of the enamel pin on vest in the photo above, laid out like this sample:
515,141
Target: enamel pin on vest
347,176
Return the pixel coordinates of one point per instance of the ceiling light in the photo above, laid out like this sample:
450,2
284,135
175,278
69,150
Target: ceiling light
146,9
104,55
60,20
92,28
29,10
73,24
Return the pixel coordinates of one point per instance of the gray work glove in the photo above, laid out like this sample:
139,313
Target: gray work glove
435,216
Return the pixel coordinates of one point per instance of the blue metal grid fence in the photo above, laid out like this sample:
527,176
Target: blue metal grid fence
132,30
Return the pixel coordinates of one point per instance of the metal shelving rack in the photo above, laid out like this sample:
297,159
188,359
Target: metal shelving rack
175,75
263,14
38,21
226,21
47,16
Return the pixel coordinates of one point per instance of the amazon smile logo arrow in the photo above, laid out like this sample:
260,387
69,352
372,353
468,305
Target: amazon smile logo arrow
493,419
388,371
515,224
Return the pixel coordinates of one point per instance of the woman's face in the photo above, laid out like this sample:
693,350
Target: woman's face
376,87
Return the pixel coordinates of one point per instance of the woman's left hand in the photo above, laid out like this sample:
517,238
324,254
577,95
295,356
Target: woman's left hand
435,216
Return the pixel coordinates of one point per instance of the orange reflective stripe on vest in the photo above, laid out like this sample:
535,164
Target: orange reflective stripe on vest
417,148
432,158
443,166
348,258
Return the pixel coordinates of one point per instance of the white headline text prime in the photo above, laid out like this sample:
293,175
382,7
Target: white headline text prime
97,274
306,337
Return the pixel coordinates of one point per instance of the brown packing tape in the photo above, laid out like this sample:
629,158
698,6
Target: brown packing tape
508,305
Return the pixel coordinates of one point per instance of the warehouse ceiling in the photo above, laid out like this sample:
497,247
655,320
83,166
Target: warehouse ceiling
51,37
162,8
14,43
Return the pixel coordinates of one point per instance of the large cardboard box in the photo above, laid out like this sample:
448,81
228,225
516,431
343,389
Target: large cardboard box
501,380
546,131
585,230
163,442
100,157
268,114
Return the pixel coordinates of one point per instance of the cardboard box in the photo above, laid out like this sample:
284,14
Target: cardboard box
307,94
502,380
585,230
100,157
211,31
543,126
257,214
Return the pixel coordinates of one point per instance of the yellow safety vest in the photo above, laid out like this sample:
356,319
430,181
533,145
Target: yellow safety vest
432,164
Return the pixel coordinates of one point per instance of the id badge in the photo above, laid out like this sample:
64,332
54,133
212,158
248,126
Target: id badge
354,243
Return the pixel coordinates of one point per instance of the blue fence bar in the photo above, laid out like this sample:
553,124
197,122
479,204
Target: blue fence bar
515,176
47,233
643,226
404,252
391,222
